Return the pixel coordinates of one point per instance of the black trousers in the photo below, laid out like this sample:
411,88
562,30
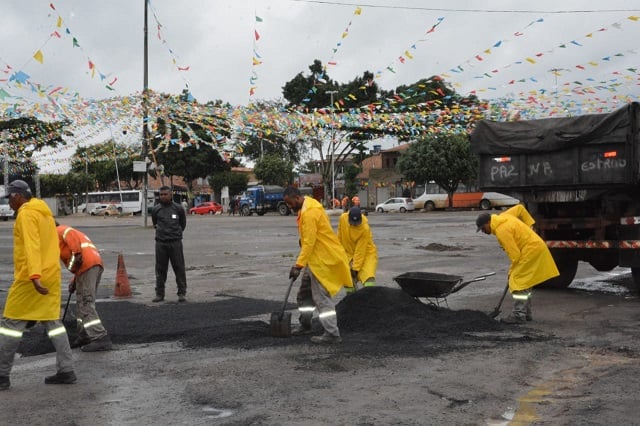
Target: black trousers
170,252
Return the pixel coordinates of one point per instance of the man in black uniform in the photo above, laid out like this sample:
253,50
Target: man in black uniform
169,220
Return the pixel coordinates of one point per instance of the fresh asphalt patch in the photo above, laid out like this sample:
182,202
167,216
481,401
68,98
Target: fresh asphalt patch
374,321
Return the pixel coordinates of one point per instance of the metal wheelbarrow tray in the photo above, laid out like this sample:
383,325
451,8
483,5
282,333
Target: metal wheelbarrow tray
433,285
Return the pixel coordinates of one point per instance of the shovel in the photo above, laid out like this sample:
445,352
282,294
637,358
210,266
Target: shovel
66,307
496,310
281,321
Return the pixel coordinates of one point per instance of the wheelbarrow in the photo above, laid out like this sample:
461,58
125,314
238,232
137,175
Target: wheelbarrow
431,285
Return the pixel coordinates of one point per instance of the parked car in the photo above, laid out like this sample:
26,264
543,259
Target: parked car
110,210
481,200
97,209
398,204
208,207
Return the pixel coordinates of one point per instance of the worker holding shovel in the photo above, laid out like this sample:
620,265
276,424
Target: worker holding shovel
323,257
531,261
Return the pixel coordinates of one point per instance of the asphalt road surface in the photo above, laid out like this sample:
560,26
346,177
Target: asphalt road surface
403,361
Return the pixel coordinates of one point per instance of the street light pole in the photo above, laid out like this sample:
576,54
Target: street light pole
333,147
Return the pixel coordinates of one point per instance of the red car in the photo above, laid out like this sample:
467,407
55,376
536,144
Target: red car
209,207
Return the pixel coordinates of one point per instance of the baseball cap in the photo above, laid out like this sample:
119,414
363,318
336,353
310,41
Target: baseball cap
355,216
483,219
16,187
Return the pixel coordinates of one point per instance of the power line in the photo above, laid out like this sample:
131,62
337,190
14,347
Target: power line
441,9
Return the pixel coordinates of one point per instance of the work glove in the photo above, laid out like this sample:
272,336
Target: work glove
294,272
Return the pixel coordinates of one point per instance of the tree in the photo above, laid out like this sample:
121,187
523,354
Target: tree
311,91
445,159
22,137
274,170
97,163
350,184
183,155
54,184
236,182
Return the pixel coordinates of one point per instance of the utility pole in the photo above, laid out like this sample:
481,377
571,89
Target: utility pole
333,147
145,114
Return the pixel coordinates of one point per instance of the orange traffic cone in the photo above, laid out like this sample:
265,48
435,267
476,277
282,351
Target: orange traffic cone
123,289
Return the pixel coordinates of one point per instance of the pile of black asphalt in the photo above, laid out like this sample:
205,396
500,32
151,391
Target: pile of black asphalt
373,321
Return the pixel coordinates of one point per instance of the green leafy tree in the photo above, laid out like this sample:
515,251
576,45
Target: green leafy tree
98,164
445,159
24,136
350,183
55,184
188,153
311,91
236,182
274,170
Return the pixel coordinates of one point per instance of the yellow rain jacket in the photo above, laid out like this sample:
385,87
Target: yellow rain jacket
35,255
320,249
358,243
531,261
521,213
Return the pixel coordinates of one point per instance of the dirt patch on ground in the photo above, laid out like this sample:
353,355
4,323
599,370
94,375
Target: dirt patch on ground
376,321
441,247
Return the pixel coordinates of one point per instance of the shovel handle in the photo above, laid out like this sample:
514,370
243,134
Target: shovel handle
286,298
466,283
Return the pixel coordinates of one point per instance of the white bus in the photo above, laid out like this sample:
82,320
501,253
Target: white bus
127,201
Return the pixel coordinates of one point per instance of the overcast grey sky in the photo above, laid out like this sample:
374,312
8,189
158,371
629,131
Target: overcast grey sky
215,39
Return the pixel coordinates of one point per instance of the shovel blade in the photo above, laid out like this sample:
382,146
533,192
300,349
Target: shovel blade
281,324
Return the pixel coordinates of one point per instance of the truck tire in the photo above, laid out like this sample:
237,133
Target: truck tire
485,205
246,211
429,206
567,266
283,210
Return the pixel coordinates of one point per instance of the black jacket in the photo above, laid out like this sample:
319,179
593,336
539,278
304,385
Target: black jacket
169,221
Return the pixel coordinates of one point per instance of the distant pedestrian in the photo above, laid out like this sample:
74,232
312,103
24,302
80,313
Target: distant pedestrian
345,203
322,256
185,205
355,236
82,259
355,201
239,207
169,220
36,289
531,261
232,207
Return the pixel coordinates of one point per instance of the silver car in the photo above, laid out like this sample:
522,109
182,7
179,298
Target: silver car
397,204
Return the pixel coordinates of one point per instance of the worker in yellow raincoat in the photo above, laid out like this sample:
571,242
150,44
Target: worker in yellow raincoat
36,289
355,236
531,261
324,259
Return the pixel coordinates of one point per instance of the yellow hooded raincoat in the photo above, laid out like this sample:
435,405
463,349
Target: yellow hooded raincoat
358,243
35,255
531,261
320,249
